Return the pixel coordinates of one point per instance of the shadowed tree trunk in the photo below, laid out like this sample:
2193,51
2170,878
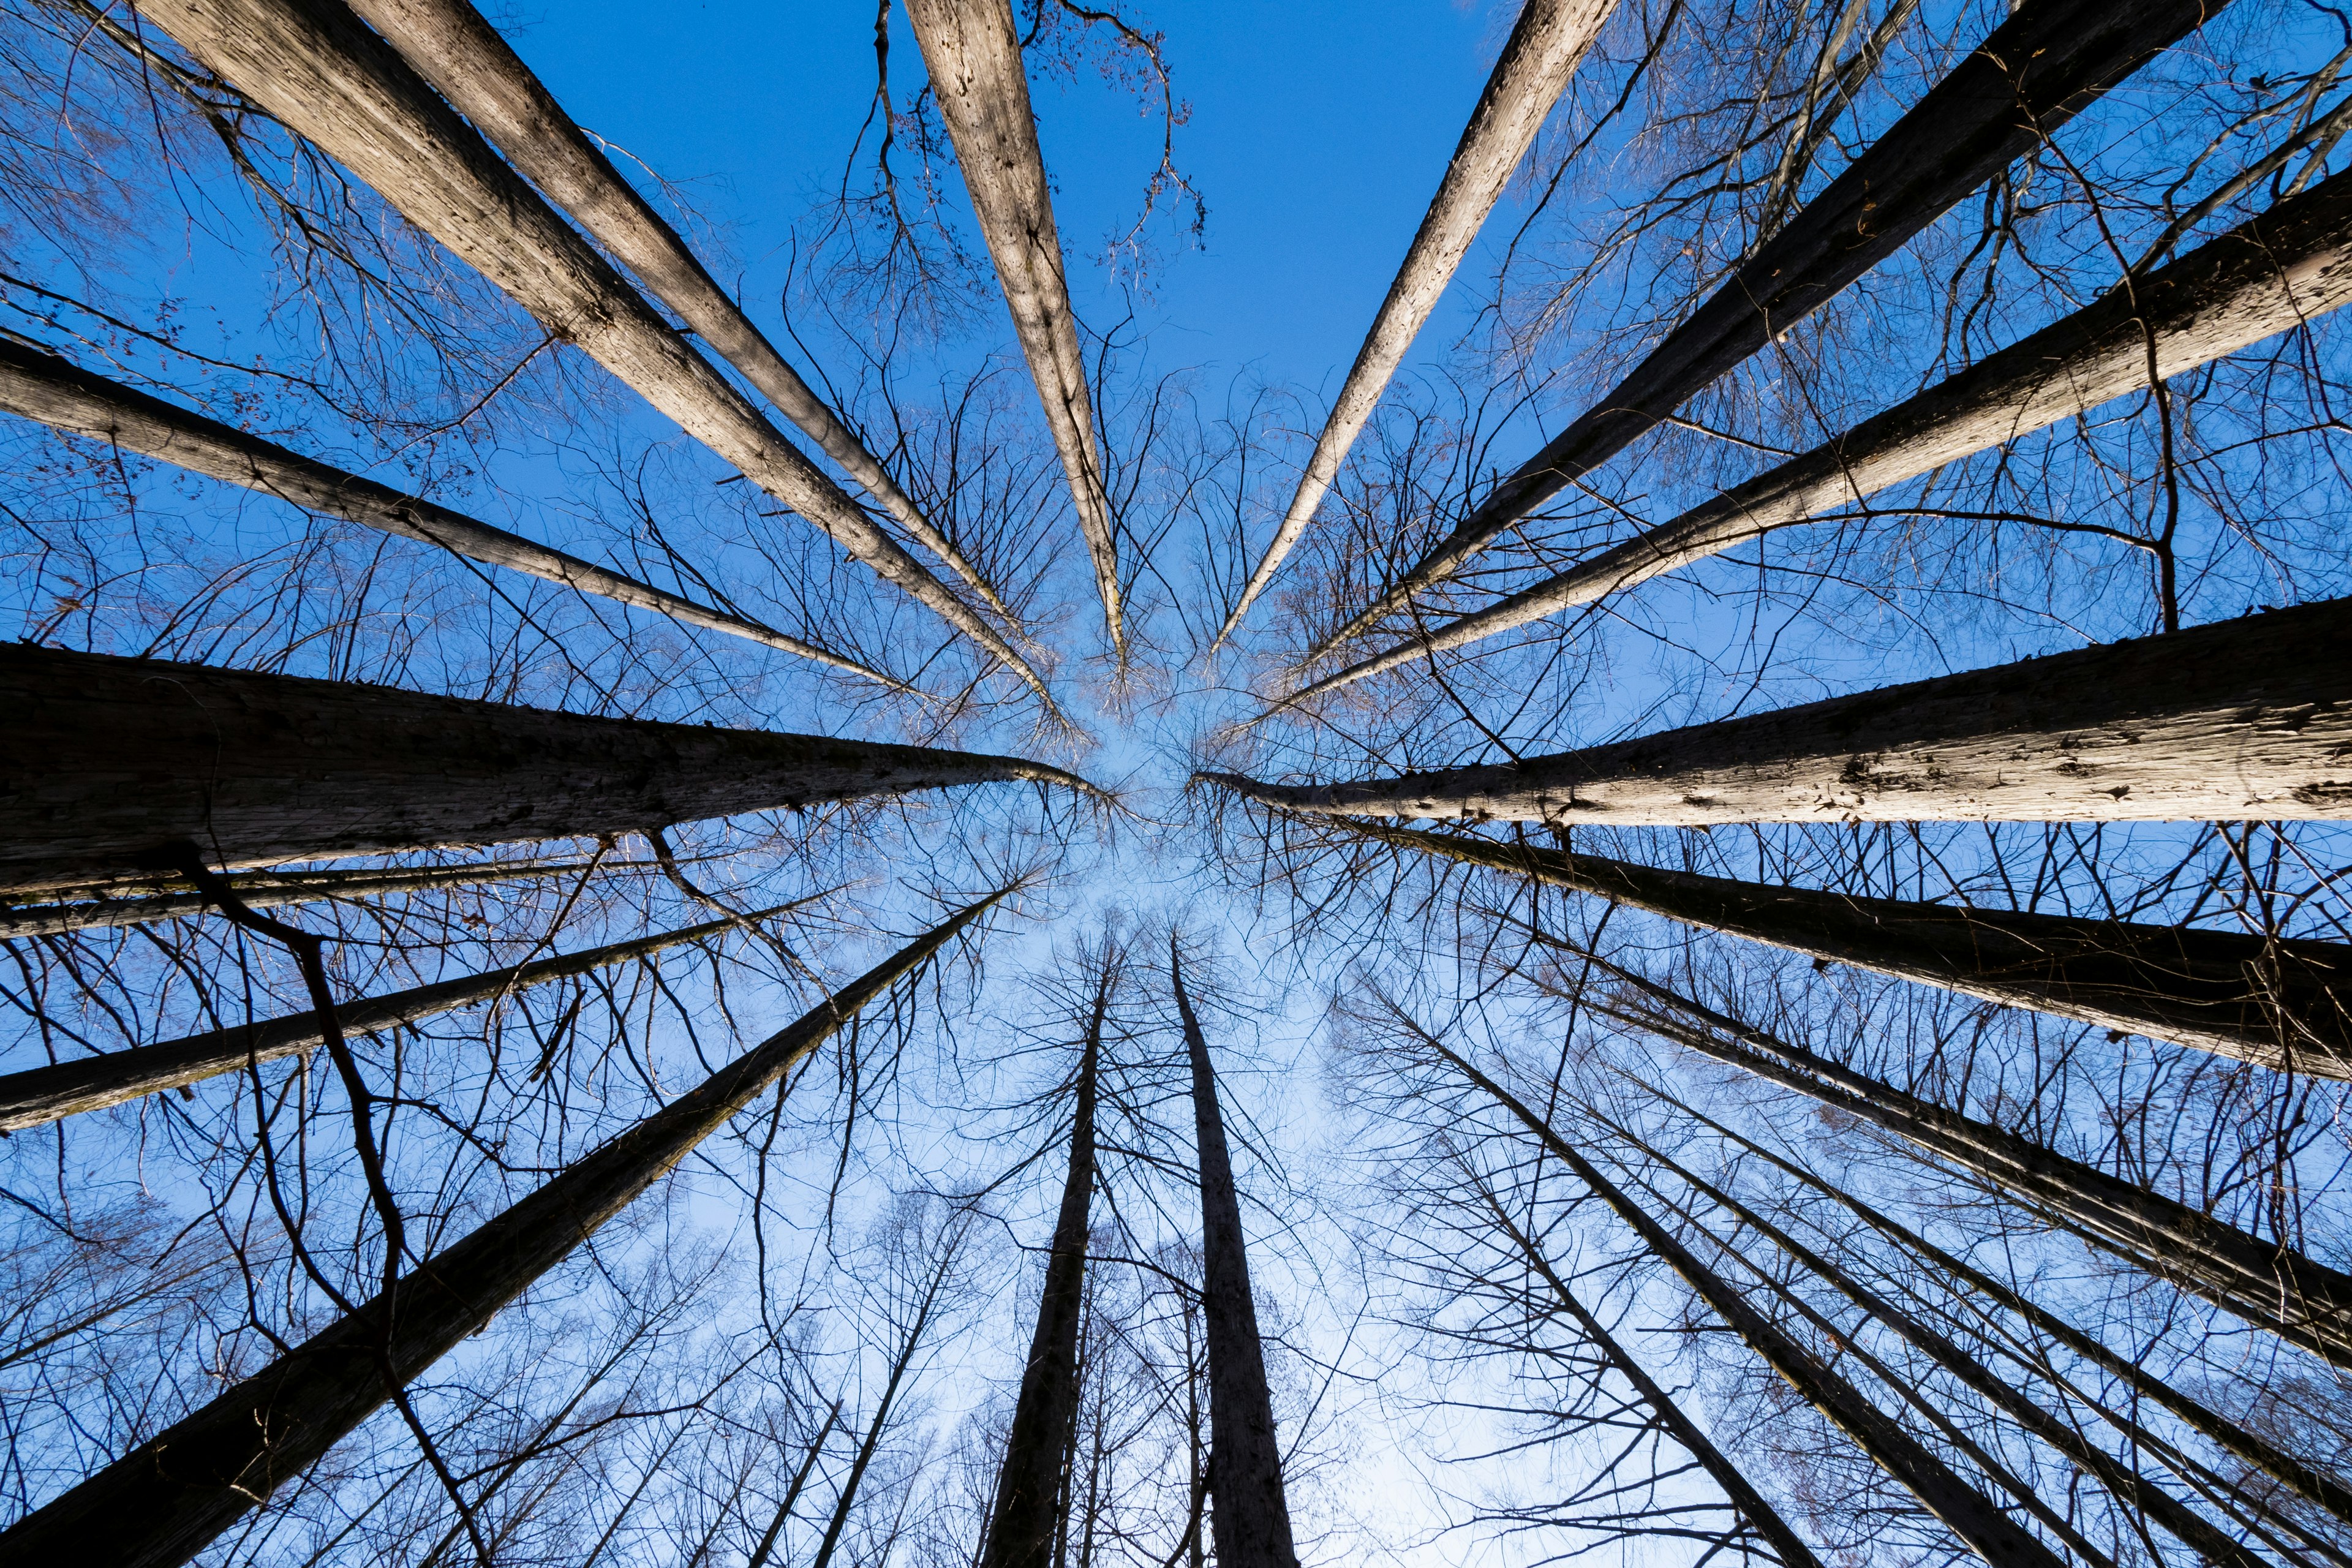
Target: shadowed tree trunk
45,387
41,1095
2038,69
1252,1520
471,65
165,1500
319,69
262,890
109,760
973,51
2246,719
1545,48
1966,1512
1023,1525
2271,1001
2265,277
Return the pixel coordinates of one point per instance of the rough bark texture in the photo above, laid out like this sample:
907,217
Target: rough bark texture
41,1095
165,1500
2279,1004
1994,1536
263,890
47,388
1027,1518
1545,46
1252,1520
973,54
319,69
106,760
471,65
2248,719
2036,70
2265,277
2294,1296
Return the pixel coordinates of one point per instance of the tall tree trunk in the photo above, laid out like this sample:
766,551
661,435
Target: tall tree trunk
1966,1512
2278,1002
2046,63
265,890
1024,1524
2270,1285
972,49
41,1095
453,46
43,387
2267,275
2246,719
1252,1520
1544,49
108,760
322,71
167,1499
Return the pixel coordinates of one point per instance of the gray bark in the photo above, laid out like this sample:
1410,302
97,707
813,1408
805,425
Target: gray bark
2267,275
167,1499
973,54
2279,1004
1252,1520
47,388
2036,70
263,890
107,761
41,1095
453,46
322,71
1545,48
2247,718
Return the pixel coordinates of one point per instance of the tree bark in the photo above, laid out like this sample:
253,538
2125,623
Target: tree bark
109,760
319,69
1963,1509
41,1095
2267,275
2240,719
1544,49
2275,1002
263,890
973,51
43,387
453,46
2046,63
167,1499
1022,1526
1252,1520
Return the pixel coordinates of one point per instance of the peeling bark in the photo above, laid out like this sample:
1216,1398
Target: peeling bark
2046,64
973,54
2242,720
107,761
263,890
167,1499
1545,48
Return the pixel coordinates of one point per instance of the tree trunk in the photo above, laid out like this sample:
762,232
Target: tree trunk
110,760
2267,275
974,53
1966,1512
41,1095
167,1499
319,69
265,890
2240,720
1544,49
470,64
872,1441
1022,1526
2040,67
1252,1520
43,386
2278,1002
